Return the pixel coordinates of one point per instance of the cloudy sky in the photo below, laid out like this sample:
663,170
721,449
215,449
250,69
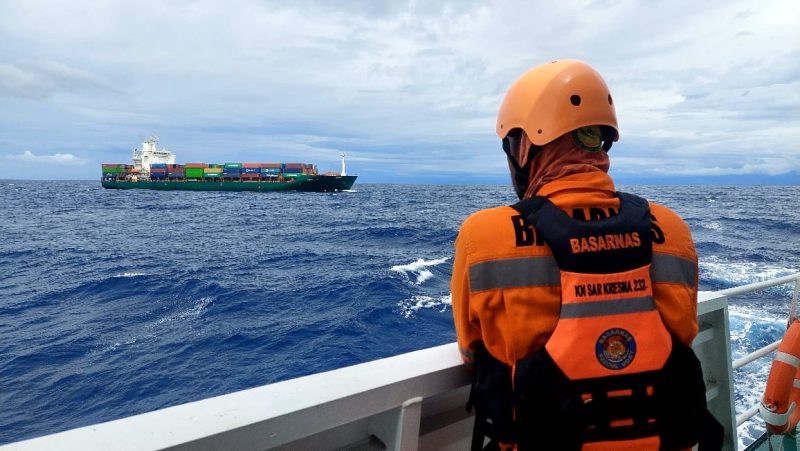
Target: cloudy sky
705,90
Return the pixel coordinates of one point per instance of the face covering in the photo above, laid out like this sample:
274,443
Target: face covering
572,153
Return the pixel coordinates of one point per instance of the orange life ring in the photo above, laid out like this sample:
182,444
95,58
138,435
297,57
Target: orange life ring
780,406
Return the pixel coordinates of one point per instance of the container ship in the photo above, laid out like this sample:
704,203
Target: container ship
154,168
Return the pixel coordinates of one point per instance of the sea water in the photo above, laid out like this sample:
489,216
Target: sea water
114,303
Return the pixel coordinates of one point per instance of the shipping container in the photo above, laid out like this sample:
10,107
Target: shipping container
158,165
159,170
196,165
294,165
270,170
288,170
212,170
232,170
194,173
290,175
175,166
110,170
176,174
158,175
213,175
251,170
251,165
251,175
112,165
272,165
232,165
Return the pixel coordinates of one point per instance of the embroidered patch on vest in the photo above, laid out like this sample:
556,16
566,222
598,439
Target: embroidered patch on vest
615,349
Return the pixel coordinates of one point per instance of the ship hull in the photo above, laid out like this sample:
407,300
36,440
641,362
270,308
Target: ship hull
309,183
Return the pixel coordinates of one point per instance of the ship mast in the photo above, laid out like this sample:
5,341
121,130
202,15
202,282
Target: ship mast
344,172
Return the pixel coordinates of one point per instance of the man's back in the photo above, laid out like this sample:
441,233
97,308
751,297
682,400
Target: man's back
508,294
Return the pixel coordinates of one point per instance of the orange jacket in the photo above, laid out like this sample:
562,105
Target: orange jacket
503,296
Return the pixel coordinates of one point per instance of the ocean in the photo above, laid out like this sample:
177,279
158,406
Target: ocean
114,303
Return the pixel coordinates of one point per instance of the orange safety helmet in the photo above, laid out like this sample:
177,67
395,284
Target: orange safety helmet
555,98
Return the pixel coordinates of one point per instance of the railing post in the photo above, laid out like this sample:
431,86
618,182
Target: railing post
398,428
713,347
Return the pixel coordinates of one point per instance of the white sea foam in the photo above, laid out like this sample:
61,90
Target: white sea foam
751,328
130,274
742,273
710,225
418,269
150,330
196,309
409,307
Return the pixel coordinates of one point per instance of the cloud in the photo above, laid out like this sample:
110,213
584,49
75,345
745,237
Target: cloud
411,84
42,79
58,159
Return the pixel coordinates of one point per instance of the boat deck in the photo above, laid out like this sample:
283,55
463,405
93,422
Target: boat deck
786,442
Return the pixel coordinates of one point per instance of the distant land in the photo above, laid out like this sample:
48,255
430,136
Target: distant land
792,178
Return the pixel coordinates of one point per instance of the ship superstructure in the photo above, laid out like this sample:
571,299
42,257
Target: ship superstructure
149,154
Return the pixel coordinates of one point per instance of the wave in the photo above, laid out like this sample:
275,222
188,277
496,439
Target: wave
710,225
409,307
419,269
733,274
146,331
131,274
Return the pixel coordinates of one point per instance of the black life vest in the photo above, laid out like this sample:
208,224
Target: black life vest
610,372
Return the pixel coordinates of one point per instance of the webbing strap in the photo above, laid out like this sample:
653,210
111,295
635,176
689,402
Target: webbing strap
773,418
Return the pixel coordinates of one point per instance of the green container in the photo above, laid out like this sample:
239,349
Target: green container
212,175
110,170
291,175
216,165
194,173
232,165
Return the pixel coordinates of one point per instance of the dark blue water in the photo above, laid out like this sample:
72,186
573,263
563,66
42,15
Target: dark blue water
114,303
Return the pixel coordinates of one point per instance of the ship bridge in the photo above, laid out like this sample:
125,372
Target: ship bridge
149,154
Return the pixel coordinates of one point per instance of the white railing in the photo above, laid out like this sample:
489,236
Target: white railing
407,402
768,349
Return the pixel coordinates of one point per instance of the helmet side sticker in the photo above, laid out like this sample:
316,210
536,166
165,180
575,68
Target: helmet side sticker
589,138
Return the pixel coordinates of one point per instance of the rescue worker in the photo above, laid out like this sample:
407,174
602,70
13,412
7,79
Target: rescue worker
577,306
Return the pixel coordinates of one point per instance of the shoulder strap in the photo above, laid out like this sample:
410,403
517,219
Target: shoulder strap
585,246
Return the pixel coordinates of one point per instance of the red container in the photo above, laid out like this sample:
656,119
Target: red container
251,175
112,165
251,165
196,165
270,165
294,165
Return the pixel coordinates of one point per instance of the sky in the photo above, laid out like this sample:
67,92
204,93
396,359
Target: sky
705,91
